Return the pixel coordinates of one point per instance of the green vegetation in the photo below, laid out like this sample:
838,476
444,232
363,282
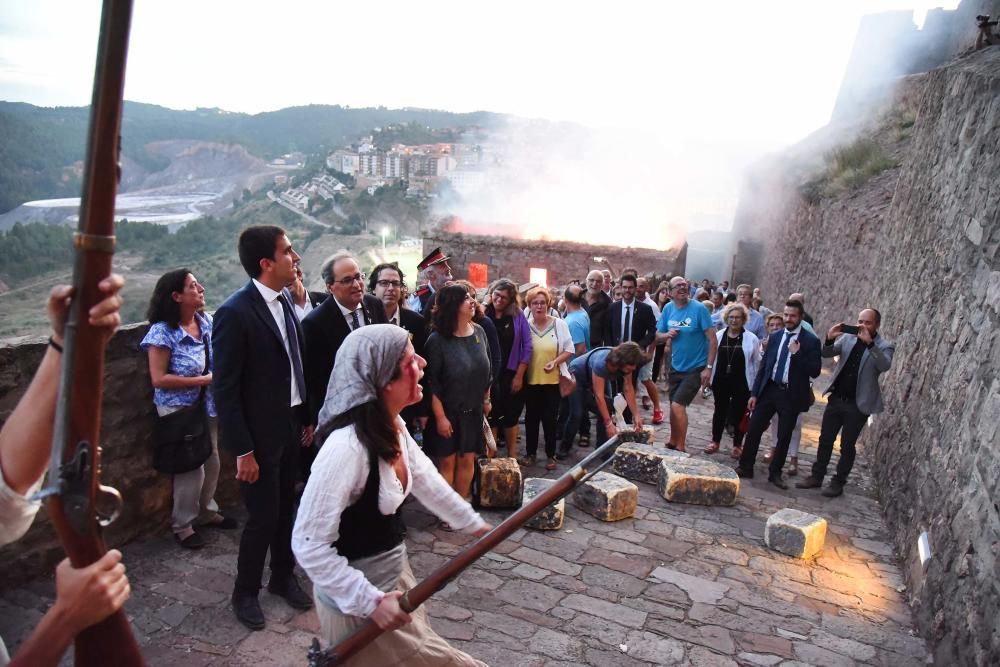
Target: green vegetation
413,134
847,167
39,145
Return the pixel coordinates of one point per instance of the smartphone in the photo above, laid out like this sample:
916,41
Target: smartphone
849,329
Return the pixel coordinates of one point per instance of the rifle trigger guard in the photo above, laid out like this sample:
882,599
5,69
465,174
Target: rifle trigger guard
95,242
104,520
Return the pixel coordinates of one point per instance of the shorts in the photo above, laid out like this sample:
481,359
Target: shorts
684,386
645,372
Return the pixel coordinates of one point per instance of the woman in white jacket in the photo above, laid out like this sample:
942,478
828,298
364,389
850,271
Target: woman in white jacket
733,374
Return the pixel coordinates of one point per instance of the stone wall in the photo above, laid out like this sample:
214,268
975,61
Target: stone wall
563,260
126,430
920,242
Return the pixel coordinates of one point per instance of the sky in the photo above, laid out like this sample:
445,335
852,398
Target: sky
736,79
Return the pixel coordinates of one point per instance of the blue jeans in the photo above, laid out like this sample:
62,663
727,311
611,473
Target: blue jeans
580,404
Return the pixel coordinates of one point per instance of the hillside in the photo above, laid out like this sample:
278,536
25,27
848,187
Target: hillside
41,148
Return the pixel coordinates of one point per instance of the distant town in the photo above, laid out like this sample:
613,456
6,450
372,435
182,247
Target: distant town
426,169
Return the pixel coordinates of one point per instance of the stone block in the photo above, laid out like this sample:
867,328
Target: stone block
607,497
646,436
641,462
501,482
697,481
550,518
795,533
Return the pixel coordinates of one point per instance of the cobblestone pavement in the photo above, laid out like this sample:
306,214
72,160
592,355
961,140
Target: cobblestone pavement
675,584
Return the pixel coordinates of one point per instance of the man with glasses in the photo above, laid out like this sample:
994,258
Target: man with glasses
687,327
386,283
326,327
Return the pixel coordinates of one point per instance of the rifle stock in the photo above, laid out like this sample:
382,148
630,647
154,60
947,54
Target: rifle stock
416,596
73,485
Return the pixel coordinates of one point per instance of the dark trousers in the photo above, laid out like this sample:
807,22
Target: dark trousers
773,400
657,361
731,396
841,416
270,516
581,404
541,405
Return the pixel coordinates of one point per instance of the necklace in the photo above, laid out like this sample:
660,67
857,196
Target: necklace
730,349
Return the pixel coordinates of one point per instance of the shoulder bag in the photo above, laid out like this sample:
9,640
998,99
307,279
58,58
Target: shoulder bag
182,441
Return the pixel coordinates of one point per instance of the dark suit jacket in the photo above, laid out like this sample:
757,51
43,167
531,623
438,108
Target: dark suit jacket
598,312
805,364
414,322
643,324
252,376
316,298
325,330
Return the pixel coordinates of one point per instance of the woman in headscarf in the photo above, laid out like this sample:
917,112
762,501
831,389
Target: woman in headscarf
458,381
348,534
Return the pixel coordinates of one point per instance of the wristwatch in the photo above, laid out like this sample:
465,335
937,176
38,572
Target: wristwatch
709,366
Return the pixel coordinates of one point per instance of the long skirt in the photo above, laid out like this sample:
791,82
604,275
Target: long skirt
414,644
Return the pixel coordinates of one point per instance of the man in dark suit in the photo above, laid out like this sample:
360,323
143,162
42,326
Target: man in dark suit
385,284
326,327
260,395
782,386
303,299
854,396
631,320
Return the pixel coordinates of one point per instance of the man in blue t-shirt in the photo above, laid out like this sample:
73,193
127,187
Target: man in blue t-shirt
577,319
687,327
597,372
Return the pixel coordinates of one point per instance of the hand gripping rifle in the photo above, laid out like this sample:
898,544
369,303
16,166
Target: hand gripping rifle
78,504
416,596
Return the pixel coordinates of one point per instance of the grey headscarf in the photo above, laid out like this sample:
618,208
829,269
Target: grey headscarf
366,361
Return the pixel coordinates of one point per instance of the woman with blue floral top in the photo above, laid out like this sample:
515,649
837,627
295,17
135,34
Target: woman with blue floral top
178,344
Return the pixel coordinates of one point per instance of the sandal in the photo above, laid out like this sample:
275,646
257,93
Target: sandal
551,465
712,448
527,460
585,440
736,453
793,467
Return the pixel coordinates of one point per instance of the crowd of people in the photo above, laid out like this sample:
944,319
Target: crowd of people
346,401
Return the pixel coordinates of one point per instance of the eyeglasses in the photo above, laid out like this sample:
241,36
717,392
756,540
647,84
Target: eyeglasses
389,283
347,281
681,286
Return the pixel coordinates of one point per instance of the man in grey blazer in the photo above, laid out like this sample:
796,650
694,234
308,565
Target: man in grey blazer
853,393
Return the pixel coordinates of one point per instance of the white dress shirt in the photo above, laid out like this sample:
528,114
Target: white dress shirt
627,308
652,304
346,312
395,316
336,482
271,299
302,311
786,338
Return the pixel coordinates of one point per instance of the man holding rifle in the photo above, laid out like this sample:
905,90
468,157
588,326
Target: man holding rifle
84,596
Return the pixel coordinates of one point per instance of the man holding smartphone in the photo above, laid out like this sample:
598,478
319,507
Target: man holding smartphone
854,395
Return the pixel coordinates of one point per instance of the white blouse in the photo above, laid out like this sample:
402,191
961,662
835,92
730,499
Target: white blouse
337,481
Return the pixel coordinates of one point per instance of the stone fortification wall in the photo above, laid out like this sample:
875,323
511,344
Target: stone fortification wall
563,260
920,242
126,441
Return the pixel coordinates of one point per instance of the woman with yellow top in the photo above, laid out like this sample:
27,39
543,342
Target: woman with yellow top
551,345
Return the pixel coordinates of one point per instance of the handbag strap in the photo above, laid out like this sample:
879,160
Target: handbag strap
204,371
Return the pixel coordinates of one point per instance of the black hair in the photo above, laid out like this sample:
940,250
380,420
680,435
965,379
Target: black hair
373,278
631,277
795,303
162,307
731,297
447,301
256,243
